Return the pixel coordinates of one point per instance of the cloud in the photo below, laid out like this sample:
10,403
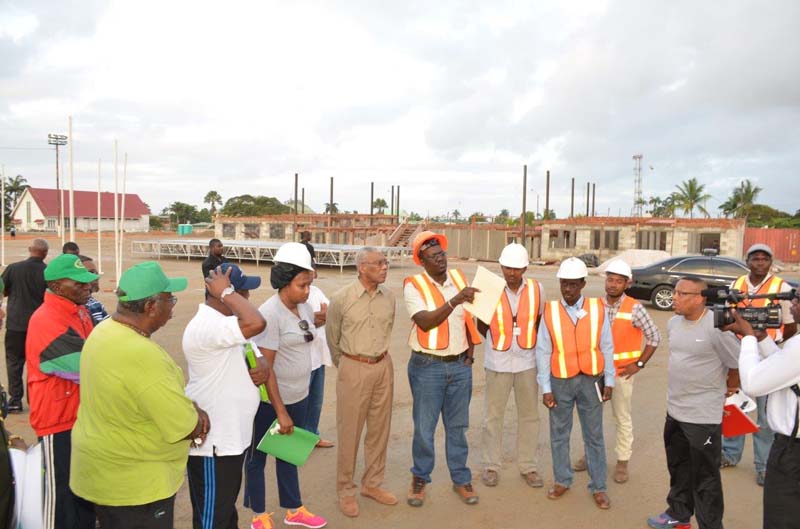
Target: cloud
448,100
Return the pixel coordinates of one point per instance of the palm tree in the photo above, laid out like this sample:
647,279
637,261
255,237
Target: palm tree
691,195
332,208
742,199
380,204
456,214
213,199
15,187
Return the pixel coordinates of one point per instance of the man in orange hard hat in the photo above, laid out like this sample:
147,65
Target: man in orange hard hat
442,339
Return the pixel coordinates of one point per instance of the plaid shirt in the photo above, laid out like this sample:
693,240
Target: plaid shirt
640,319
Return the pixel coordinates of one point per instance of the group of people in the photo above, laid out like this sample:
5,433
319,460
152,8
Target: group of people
120,426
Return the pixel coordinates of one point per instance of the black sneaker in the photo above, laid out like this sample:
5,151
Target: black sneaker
14,407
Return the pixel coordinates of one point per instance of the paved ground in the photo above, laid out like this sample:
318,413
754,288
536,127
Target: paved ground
511,504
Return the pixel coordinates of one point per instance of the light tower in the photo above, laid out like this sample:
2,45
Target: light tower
637,186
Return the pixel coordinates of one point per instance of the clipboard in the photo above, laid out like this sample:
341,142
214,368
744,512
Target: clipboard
491,287
736,422
293,448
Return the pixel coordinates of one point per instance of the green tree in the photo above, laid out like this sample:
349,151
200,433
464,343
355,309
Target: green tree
455,214
14,189
741,201
332,208
659,207
253,206
502,217
414,217
690,196
213,199
181,213
155,223
477,217
379,204
548,214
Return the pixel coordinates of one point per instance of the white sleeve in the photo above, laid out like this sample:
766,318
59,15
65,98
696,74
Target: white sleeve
763,376
786,305
213,339
414,301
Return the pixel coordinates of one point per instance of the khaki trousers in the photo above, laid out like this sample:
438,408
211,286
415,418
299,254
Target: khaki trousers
526,398
621,404
363,396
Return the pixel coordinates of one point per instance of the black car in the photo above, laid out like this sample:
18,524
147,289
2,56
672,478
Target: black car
655,282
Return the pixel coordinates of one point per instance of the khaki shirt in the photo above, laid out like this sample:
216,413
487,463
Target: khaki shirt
360,324
458,329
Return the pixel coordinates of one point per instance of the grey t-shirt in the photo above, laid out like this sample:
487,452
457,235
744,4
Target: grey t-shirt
699,359
293,359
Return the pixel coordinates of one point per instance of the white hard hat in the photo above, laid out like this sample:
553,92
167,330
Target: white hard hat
572,268
514,256
294,253
618,266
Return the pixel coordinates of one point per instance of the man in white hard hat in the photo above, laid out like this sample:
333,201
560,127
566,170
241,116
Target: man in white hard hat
574,358
630,323
510,363
760,280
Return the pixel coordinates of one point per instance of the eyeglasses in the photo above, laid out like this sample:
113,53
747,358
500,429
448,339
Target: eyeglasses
379,264
307,335
171,299
682,293
436,256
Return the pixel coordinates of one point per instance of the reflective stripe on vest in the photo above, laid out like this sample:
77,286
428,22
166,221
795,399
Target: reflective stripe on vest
773,286
627,337
503,322
576,346
438,338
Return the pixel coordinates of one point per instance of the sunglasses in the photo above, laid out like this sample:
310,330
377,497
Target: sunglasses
307,335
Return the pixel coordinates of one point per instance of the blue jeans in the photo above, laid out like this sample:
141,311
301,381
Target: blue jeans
255,460
733,447
440,388
578,391
316,391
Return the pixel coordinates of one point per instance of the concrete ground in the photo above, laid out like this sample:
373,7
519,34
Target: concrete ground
512,504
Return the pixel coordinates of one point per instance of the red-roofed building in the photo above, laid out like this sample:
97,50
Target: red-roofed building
38,208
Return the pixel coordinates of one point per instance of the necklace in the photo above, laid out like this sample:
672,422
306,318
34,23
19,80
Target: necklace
131,327
695,322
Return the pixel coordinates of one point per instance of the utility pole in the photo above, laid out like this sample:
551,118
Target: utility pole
587,198
371,200
637,185
294,229
547,196
303,200
57,140
524,201
391,208
397,208
71,186
572,200
594,211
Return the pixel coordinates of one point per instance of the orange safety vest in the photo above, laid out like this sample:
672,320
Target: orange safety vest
438,338
772,286
627,337
576,346
504,322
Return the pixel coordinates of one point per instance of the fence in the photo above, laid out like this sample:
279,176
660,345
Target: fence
785,242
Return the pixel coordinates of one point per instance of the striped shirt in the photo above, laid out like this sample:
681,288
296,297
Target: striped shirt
641,320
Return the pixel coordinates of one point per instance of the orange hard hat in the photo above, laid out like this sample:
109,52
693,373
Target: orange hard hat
424,236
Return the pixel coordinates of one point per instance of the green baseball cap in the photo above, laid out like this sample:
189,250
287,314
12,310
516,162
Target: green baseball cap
68,266
148,279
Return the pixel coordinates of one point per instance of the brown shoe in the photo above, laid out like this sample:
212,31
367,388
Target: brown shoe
324,443
580,465
349,506
489,477
380,495
533,479
601,500
467,493
416,494
556,491
621,472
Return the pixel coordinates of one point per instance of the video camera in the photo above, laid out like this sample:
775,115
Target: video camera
769,317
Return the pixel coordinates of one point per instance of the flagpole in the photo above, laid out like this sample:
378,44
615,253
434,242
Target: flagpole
71,187
116,214
99,219
122,213
3,219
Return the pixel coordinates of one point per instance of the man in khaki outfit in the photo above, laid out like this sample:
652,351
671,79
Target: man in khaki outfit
359,329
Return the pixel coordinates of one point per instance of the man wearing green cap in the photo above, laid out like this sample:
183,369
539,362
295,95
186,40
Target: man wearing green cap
56,335
131,439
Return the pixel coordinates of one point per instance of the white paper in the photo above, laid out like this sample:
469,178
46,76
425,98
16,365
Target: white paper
741,401
491,288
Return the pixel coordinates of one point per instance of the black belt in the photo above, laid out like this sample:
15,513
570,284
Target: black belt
786,438
448,358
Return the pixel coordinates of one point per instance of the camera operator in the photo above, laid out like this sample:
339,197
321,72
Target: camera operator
767,370
759,281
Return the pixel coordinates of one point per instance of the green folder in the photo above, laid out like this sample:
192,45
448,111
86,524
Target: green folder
293,448
250,356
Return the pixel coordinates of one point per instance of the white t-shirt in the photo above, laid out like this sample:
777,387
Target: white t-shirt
219,381
293,354
320,353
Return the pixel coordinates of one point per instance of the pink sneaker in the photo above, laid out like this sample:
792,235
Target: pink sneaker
301,516
262,521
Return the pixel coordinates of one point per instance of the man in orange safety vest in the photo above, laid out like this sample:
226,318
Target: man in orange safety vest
510,363
442,340
574,359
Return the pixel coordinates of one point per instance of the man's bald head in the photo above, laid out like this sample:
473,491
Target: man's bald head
38,248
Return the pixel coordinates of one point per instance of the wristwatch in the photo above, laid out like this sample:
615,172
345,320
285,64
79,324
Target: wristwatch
640,364
228,290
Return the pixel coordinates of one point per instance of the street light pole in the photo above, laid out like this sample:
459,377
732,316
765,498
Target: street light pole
58,140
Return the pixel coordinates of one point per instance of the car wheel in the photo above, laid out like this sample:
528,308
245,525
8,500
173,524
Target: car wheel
662,297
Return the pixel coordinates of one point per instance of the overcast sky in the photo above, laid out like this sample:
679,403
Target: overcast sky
447,99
